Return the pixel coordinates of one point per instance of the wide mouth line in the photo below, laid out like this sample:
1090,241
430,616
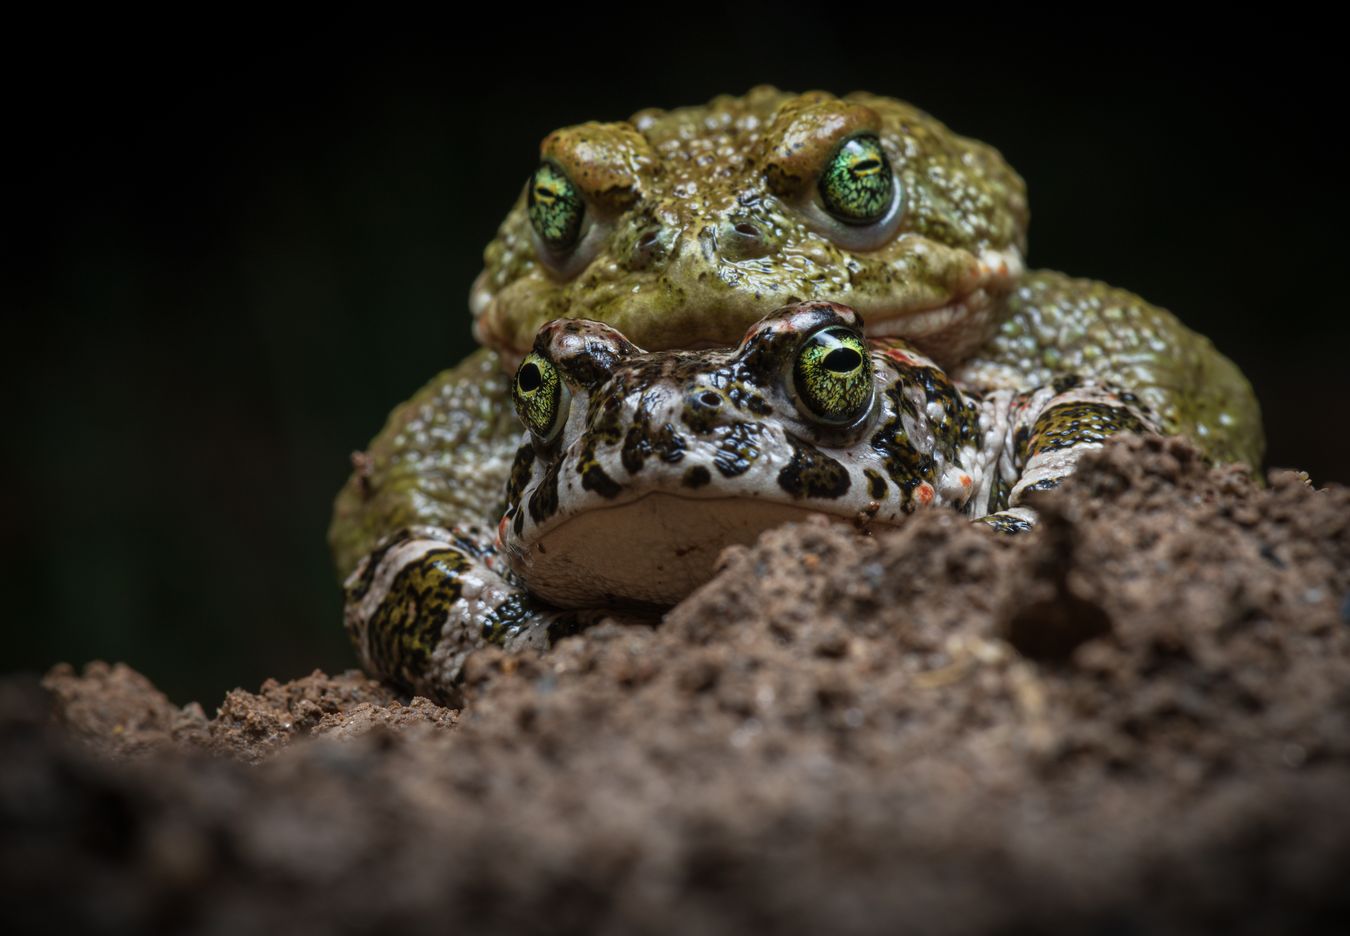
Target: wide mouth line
903,320
555,524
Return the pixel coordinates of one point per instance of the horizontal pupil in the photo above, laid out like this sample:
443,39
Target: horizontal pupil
530,379
841,360
867,165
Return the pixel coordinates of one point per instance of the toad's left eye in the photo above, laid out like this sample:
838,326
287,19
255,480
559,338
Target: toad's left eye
555,207
541,397
833,377
857,186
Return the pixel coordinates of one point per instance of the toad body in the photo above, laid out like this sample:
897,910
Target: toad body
682,229
640,467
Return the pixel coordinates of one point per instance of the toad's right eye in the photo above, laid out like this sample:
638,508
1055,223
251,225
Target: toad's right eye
858,186
541,398
555,207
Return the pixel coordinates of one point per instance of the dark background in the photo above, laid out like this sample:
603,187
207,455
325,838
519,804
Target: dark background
231,251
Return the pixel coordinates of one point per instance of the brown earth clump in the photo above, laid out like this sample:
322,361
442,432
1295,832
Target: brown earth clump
1136,719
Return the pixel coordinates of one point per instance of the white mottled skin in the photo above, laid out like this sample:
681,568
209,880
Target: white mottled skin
641,538
654,536
483,589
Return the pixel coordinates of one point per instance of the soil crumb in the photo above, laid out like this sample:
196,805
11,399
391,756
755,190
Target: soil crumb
1135,719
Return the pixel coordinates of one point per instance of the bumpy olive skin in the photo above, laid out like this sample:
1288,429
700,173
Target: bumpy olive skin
1057,324
441,460
669,266
701,220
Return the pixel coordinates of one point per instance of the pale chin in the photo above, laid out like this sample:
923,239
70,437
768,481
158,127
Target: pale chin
648,552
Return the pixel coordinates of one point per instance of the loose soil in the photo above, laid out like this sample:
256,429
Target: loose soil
1136,719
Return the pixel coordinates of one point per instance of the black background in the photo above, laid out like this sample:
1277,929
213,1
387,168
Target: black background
232,246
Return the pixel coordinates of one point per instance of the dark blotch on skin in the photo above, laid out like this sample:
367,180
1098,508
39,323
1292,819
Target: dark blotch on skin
738,449
906,465
1065,382
544,500
876,485
595,479
812,473
959,421
642,442
520,473
593,368
696,477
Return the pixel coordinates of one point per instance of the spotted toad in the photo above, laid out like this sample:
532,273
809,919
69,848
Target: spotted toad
639,467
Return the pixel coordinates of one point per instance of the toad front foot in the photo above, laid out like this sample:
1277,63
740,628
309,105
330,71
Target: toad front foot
427,597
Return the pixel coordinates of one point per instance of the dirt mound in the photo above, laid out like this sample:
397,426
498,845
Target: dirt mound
1135,719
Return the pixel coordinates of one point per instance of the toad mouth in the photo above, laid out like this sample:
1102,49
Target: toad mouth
948,330
996,271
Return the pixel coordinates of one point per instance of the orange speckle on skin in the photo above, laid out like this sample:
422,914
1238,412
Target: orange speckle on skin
501,532
924,494
966,482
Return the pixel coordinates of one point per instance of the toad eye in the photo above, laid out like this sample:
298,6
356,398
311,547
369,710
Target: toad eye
857,186
541,398
833,377
555,208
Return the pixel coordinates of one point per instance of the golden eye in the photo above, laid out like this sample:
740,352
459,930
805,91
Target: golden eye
857,186
555,208
833,376
541,397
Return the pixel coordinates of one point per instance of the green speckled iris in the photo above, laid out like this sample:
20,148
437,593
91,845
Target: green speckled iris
857,186
833,376
538,394
555,207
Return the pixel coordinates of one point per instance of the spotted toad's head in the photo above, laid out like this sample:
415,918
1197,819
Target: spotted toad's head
642,466
682,228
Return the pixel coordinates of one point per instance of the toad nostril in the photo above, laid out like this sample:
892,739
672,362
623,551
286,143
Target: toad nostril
709,398
746,229
650,246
